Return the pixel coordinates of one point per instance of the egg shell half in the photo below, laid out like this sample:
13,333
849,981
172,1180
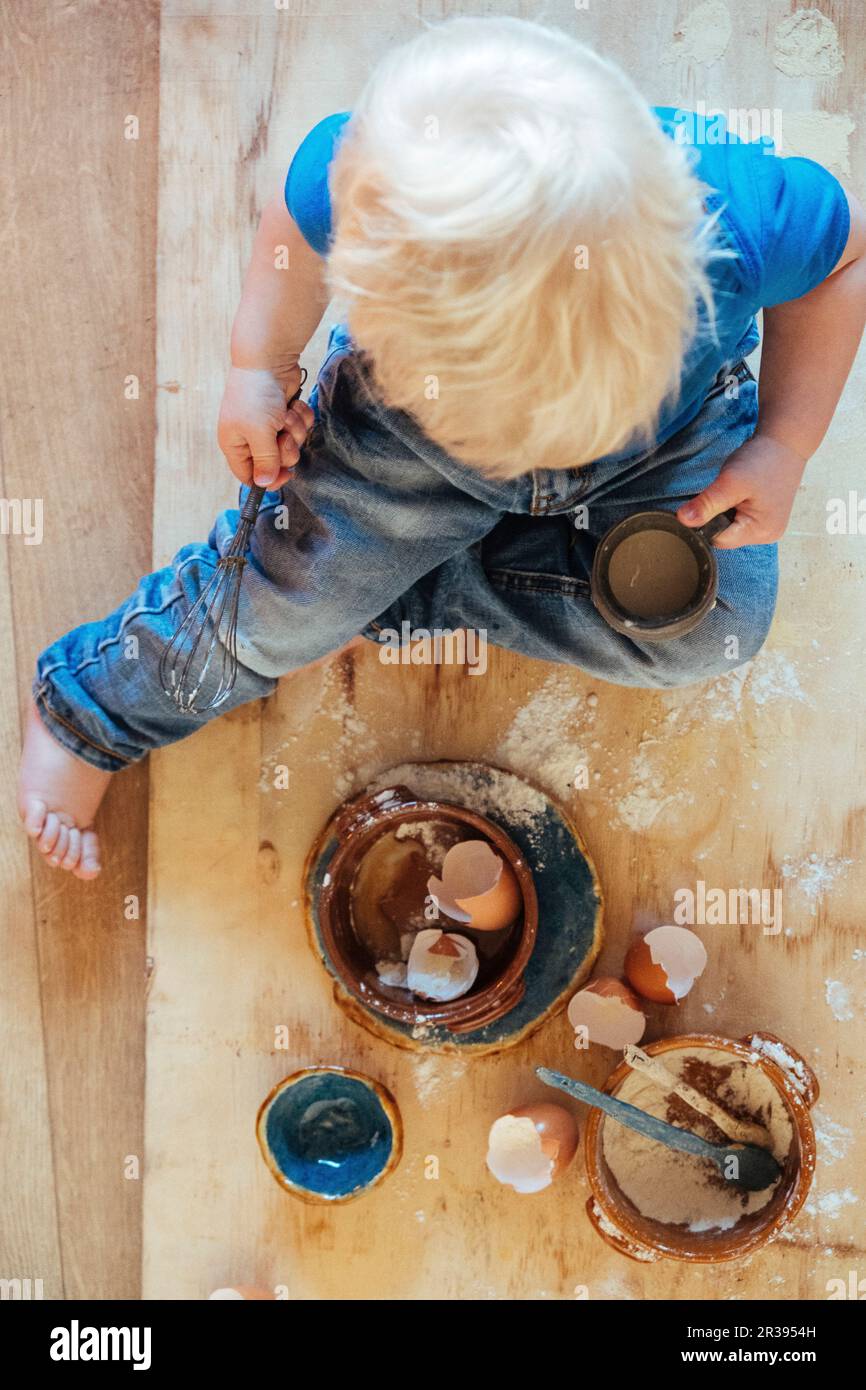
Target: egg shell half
664,964
531,1146
477,887
609,1011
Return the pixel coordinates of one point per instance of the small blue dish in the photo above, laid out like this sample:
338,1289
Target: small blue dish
329,1135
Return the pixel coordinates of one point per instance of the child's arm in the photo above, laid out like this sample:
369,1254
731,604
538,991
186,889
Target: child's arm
283,300
809,346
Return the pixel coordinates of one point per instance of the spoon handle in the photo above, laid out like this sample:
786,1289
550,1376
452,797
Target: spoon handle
629,1115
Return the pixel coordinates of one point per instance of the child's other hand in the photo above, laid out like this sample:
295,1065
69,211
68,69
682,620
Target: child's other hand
259,434
760,480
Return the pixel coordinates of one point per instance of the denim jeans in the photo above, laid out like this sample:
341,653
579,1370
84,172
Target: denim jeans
379,527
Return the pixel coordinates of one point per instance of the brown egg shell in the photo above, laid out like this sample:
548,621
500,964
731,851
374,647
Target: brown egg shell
643,974
558,1130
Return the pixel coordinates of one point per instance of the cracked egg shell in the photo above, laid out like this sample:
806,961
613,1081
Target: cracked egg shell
477,887
609,1011
664,964
442,965
531,1146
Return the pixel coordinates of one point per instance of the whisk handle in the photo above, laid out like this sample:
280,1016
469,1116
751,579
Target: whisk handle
252,502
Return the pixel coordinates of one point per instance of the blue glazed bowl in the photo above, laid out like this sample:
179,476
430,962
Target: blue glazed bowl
329,1135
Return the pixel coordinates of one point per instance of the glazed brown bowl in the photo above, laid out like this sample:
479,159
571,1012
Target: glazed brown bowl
640,1237
357,826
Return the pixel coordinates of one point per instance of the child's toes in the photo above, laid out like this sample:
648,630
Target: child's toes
60,846
73,850
50,831
89,864
33,813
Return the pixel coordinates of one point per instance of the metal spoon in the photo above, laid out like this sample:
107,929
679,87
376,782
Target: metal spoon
745,1165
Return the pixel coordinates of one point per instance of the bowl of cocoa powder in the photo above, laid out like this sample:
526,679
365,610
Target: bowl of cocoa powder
653,1203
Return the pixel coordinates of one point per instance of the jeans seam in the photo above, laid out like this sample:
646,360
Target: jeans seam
41,698
524,582
116,637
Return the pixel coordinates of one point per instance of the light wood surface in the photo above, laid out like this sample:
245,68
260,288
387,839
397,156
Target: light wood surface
227,849
77,261
737,784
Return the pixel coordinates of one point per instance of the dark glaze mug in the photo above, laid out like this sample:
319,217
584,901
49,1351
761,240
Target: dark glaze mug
698,540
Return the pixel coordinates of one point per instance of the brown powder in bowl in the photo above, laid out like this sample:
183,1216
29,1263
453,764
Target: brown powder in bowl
677,1188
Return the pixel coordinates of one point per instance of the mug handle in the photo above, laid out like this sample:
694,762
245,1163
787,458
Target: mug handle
808,1086
716,524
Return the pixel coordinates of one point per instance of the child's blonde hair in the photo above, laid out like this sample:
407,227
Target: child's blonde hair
521,247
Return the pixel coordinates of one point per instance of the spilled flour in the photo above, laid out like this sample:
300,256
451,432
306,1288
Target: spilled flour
642,803
839,1000
834,1140
540,743
704,34
769,677
551,739
354,733
434,1074
489,791
807,45
814,876
831,1204
328,699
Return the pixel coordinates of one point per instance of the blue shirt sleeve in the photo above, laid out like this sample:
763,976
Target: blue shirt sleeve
792,221
307,195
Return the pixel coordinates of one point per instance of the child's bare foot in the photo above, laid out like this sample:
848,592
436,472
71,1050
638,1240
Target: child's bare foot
58,797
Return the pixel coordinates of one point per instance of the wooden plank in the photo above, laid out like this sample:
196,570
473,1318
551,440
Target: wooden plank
77,289
735,783
29,1237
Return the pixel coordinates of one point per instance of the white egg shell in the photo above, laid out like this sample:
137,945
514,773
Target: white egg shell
392,972
442,965
680,953
609,1011
529,1148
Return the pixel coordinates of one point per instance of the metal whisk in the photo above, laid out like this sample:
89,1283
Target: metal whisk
199,666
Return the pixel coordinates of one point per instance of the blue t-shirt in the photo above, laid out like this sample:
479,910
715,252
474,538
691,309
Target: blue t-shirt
787,220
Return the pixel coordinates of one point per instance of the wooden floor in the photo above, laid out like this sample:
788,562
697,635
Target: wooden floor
122,258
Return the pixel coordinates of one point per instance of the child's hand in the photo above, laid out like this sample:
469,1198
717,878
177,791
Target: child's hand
260,436
760,480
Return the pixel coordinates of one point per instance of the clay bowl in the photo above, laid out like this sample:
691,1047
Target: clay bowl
619,1223
328,1134
357,826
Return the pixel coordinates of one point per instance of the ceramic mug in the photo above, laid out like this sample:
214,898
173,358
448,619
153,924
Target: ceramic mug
692,550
